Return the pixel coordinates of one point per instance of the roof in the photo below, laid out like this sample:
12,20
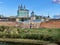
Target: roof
24,9
33,21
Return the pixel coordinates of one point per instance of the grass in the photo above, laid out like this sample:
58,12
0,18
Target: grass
52,34
41,34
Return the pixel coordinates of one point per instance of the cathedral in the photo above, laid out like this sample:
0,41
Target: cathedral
22,11
22,15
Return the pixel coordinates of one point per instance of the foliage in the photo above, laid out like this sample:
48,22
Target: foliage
52,34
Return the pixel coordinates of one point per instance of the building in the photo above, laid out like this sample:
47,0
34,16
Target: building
45,18
33,16
22,15
23,20
22,11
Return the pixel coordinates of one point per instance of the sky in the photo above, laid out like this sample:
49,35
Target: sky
40,7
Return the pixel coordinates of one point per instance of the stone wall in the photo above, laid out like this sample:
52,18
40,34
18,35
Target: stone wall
3,23
34,25
20,24
47,24
50,24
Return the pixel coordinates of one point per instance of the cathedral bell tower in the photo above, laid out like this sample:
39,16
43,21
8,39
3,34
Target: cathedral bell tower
22,11
33,16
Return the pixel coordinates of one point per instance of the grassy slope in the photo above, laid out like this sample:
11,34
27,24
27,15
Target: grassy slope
54,33
46,34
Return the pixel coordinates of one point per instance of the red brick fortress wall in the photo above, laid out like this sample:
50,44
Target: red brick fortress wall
50,24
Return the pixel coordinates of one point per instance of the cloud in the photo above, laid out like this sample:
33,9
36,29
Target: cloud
56,1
